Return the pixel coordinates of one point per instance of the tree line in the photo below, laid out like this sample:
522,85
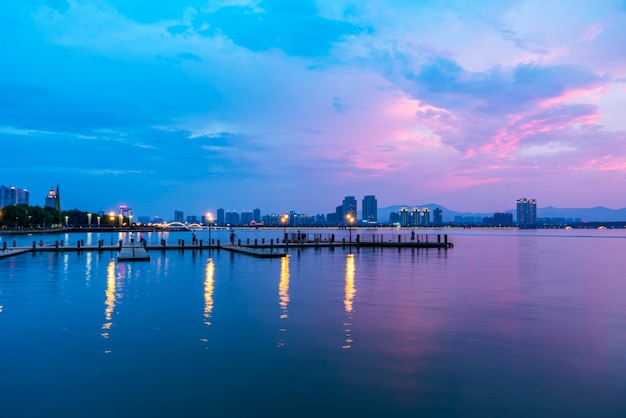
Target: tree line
25,216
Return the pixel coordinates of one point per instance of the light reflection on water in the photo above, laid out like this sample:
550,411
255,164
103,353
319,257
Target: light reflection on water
350,291
209,286
283,297
111,278
501,325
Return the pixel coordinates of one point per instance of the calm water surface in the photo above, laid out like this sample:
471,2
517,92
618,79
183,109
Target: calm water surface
515,324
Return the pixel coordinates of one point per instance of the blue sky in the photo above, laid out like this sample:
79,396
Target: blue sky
292,105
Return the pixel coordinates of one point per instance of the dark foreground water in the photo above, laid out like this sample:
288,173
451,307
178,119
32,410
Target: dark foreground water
511,324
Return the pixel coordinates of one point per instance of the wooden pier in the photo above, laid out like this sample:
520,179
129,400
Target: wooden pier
139,251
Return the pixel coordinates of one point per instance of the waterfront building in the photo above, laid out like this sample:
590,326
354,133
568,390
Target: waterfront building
53,200
192,219
179,216
256,215
348,207
220,218
339,215
10,195
231,217
437,217
300,219
247,217
503,218
126,212
499,219
320,219
271,219
526,212
424,217
370,209
404,217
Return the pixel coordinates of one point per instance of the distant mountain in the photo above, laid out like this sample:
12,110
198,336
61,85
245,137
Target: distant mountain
596,214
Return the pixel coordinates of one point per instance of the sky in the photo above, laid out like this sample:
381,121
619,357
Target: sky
284,105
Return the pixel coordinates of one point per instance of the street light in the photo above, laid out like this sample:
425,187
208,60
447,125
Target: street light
209,219
350,219
283,220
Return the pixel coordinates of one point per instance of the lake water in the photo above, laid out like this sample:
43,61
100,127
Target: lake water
507,323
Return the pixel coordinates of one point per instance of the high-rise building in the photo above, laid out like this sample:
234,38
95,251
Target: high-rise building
179,216
526,212
10,195
348,206
247,217
370,209
126,212
256,215
51,199
424,217
404,217
437,217
231,217
220,219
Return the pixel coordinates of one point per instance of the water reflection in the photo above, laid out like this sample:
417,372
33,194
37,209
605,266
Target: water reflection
209,285
350,291
283,294
110,299
88,262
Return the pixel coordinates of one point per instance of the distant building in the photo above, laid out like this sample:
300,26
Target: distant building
370,209
271,219
10,195
143,219
192,219
220,218
231,218
256,215
526,212
53,200
247,217
125,211
503,219
424,217
499,219
437,217
339,215
348,206
179,216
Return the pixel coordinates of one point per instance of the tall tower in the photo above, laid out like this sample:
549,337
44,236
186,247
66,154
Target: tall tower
57,203
370,209
348,206
526,212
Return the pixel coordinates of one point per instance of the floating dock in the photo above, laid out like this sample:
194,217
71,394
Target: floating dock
133,252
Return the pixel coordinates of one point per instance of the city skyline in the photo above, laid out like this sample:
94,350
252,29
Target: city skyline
196,104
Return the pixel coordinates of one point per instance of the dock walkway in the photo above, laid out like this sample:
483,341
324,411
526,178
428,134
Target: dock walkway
133,252
273,249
